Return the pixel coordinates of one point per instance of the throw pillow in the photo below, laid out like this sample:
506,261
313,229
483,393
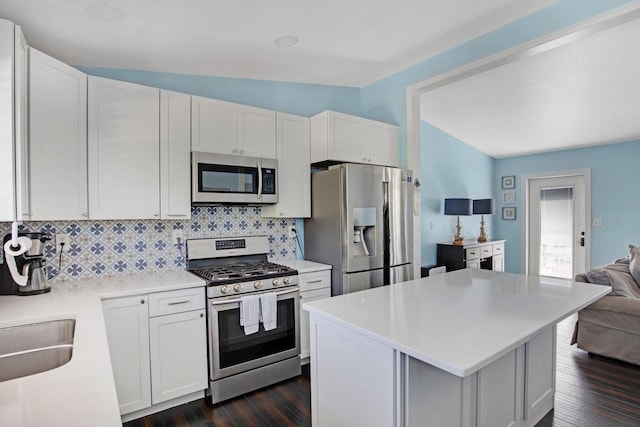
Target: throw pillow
634,263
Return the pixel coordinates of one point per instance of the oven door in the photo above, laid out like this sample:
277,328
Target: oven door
232,352
220,178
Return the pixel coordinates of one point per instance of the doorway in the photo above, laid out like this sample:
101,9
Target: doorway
557,214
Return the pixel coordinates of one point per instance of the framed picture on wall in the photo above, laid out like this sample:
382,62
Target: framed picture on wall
509,198
508,213
508,182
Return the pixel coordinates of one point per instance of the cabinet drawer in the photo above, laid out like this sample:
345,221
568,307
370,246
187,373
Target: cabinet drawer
315,280
472,253
162,303
498,249
485,252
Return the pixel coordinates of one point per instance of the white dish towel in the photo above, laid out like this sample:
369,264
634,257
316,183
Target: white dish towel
269,310
250,313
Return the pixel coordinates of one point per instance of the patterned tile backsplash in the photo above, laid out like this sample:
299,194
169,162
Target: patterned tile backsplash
118,247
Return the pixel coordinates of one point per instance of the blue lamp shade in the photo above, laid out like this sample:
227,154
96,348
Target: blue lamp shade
483,207
457,206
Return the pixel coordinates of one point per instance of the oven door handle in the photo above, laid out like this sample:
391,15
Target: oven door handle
259,180
229,301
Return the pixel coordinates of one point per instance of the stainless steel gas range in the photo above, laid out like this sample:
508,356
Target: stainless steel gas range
238,274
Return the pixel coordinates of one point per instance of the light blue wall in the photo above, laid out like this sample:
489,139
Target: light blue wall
615,174
385,99
453,169
293,98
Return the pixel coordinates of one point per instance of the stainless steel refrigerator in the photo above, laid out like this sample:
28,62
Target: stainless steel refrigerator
361,223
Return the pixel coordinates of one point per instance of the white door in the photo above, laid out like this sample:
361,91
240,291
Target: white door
557,239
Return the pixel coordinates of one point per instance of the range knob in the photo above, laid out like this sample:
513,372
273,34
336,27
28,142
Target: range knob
276,282
287,280
237,287
225,289
258,284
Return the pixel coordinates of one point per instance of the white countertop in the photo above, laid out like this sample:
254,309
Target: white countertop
304,266
82,392
460,321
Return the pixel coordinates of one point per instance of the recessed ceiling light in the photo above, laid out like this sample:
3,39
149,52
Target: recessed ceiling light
105,12
286,41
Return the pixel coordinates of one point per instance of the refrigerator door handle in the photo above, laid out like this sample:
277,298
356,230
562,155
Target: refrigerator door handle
386,236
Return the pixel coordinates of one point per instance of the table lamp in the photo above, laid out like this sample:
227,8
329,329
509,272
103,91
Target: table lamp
457,207
483,207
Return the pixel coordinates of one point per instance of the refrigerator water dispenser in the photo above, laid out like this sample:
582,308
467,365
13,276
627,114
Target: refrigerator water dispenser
364,230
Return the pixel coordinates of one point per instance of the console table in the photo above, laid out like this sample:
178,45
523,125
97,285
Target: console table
487,255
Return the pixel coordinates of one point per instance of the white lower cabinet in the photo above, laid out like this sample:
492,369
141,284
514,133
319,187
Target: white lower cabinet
158,346
357,380
127,324
313,286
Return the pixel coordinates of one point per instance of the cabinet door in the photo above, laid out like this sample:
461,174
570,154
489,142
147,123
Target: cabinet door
175,155
21,122
213,126
540,377
178,354
381,143
305,346
127,325
474,263
124,150
57,139
294,172
7,166
256,132
498,263
346,138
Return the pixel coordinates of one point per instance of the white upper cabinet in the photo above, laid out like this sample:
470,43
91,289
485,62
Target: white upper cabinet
294,173
256,132
213,126
124,150
12,67
381,143
57,140
228,128
175,155
338,137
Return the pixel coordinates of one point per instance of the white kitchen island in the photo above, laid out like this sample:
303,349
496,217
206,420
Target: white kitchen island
466,348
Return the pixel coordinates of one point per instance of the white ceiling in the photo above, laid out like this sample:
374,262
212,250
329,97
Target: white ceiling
583,93
342,42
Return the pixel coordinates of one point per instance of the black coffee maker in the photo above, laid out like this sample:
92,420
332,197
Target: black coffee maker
23,270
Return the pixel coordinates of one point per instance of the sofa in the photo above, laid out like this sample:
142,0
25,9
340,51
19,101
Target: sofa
611,326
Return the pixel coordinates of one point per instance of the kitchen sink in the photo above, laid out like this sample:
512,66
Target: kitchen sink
36,347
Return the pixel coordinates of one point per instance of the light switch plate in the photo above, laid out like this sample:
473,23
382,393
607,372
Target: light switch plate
596,222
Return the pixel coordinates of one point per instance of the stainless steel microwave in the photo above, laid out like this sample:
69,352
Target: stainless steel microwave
228,179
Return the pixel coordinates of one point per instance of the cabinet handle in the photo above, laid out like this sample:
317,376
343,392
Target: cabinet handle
234,151
177,215
241,151
179,302
201,314
85,214
141,301
315,281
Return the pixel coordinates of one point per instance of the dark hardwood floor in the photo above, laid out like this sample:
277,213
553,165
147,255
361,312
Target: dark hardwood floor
591,391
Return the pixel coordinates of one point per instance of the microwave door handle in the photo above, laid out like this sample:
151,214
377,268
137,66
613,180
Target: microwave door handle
259,180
